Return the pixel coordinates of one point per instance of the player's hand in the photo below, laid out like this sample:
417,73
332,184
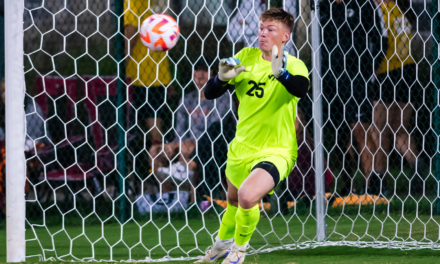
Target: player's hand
228,69
278,62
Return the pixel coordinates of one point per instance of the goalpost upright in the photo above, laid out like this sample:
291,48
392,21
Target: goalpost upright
317,124
15,131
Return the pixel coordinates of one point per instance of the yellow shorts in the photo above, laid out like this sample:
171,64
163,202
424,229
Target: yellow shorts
237,170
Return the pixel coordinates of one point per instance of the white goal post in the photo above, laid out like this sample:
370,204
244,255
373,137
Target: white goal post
15,131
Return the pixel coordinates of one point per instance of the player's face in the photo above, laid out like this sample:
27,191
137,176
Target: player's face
272,33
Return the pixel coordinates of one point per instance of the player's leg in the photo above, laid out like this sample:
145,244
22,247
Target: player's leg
266,173
227,226
347,176
360,124
259,183
406,145
225,238
365,144
400,126
404,109
374,175
348,95
378,134
381,135
364,147
367,147
252,190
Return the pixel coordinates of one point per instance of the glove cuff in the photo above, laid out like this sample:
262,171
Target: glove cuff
284,76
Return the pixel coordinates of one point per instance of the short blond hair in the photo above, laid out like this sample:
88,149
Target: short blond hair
279,15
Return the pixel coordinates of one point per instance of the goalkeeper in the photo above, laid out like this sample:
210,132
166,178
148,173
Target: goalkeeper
268,83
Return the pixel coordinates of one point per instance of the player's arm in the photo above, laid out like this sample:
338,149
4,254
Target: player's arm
216,88
228,69
297,85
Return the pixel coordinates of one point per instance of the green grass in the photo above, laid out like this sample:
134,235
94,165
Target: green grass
2,241
79,239
402,220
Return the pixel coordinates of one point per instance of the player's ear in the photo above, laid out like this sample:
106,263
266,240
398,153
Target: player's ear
286,36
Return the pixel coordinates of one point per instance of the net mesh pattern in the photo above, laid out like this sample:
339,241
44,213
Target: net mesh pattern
126,159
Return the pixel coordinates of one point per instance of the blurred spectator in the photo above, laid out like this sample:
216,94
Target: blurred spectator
148,70
177,158
244,25
397,77
352,53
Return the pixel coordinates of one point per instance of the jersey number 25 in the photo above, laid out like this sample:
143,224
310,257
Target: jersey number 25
259,91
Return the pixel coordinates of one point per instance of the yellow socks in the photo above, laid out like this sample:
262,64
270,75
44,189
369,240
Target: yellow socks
247,220
227,227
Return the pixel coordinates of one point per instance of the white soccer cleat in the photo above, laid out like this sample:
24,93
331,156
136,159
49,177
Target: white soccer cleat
219,250
237,254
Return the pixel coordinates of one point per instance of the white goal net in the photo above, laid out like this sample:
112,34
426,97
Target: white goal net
125,159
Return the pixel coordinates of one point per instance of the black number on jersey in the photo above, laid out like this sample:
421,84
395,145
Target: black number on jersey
259,91
271,76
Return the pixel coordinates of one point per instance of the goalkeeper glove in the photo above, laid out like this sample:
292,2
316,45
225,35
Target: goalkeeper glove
228,69
279,63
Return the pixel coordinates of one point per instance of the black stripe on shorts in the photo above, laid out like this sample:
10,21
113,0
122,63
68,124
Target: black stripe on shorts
271,169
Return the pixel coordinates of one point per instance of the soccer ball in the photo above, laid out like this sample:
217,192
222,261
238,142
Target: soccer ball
159,32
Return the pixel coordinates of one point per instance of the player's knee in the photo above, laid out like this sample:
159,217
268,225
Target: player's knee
233,200
246,199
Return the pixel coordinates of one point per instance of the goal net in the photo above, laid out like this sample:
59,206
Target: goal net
125,159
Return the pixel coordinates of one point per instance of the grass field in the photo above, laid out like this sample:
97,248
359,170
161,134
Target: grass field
112,239
317,255
104,238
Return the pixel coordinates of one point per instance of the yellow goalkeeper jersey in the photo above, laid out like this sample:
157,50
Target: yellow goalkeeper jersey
267,111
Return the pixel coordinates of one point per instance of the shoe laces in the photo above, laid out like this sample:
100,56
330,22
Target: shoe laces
208,251
235,249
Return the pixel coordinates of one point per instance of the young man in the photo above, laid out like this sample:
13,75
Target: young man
268,85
